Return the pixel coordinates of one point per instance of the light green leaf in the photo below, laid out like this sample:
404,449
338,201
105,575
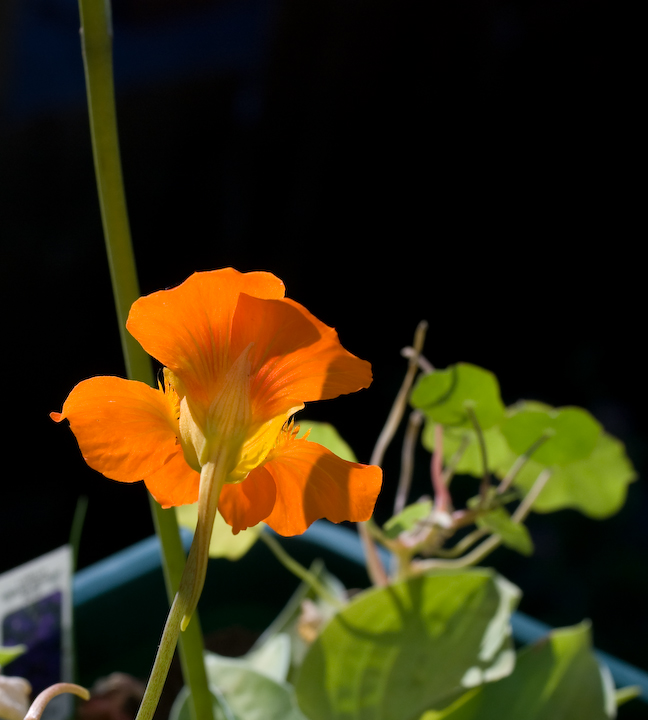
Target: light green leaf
289,619
498,452
7,654
271,659
514,535
326,435
407,518
248,688
223,542
596,486
571,433
445,396
555,679
394,652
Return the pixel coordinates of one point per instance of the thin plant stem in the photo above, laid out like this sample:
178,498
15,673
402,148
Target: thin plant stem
375,569
400,403
299,570
163,658
455,459
485,483
442,500
491,543
43,699
407,460
524,508
183,607
77,528
519,463
96,40
463,544
424,364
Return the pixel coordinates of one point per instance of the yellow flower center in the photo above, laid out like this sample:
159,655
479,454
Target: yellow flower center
226,426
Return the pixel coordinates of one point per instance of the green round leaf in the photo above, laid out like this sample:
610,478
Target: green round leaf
555,679
571,433
394,652
596,486
445,396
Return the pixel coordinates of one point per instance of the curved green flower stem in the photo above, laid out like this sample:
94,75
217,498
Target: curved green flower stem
300,571
191,647
212,478
96,39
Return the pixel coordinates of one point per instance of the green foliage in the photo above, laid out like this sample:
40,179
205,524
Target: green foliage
514,535
394,652
447,396
571,433
596,486
407,519
558,678
326,435
590,469
464,440
248,688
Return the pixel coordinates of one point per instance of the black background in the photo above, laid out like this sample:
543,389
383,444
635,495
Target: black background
467,163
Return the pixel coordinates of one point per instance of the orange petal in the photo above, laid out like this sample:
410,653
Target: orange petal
314,483
124,428
295,357
175,483
247,503
187,328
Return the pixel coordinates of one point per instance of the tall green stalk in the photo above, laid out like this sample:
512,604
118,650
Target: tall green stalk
96,39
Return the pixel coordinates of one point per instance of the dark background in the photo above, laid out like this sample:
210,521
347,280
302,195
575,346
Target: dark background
469,163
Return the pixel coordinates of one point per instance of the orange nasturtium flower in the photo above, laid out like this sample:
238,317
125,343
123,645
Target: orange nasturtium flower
239,360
